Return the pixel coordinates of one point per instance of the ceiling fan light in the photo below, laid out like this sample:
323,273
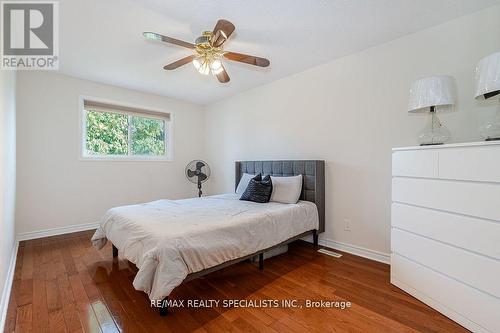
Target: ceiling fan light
216,64
202,65
216,67
196,63
204,68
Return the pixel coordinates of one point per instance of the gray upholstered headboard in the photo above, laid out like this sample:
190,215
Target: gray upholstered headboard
313,176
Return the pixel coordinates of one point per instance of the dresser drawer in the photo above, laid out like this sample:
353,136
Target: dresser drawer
473,234
415,163
469,198
468,306
471,163
474,270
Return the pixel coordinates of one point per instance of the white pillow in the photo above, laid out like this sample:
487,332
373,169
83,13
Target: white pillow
242,185
286,189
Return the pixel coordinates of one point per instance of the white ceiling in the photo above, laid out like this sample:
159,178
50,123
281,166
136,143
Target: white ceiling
101,40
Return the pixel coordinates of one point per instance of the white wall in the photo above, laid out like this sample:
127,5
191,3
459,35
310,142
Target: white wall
351,112
7,178
57,189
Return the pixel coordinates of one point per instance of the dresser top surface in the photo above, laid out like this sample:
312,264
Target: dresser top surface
450,145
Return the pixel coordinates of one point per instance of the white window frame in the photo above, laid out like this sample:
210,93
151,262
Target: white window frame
153,113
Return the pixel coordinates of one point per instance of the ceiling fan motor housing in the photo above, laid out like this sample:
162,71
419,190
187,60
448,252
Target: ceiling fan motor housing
204,40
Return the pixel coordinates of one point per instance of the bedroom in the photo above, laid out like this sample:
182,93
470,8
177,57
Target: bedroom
97,135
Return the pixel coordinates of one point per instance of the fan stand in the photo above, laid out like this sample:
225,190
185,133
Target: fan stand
199,189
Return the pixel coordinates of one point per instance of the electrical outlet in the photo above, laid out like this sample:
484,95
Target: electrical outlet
347,225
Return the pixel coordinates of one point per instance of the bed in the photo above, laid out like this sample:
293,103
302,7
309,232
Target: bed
171,241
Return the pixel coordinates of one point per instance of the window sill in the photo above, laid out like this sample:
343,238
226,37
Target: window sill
125,159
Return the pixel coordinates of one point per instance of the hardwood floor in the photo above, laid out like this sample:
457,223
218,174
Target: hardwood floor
63,284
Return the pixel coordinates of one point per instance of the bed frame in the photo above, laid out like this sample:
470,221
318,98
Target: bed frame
313,190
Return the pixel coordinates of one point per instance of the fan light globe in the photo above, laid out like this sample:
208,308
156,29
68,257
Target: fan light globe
205,68
202,65
196,63
216,67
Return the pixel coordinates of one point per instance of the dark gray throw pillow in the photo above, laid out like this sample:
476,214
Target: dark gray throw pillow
258,190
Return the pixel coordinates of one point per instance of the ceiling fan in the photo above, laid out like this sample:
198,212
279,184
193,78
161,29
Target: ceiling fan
209,52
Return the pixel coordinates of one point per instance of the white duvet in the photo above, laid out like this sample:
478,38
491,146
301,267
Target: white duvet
169,239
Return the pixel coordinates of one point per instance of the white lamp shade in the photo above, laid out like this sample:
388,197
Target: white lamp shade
431,91
488,75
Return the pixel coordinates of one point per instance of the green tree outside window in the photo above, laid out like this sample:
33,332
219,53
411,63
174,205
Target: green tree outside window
108,134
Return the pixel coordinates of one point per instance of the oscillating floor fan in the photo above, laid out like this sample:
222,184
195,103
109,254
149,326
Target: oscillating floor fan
197,172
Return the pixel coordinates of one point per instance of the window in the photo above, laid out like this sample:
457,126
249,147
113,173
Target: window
117,132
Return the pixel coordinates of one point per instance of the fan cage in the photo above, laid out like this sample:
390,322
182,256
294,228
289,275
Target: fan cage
192,166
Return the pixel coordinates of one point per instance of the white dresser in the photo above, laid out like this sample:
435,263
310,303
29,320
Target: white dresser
445,236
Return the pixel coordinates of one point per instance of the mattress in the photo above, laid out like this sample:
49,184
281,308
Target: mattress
169,239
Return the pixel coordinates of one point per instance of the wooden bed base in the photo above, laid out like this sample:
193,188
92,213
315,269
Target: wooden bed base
164,308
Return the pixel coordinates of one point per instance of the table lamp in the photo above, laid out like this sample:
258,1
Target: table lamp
426,95
488,86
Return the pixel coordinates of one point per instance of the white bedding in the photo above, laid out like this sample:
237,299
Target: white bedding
169,239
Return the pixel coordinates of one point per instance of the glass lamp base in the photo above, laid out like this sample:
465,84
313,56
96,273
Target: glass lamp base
491,130
434,133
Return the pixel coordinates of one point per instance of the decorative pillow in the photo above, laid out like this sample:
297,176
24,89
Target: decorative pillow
242,185
286,189
258,190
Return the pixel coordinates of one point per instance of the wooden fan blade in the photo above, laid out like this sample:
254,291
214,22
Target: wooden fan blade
166,39
223,29
223,77
248,59
179,63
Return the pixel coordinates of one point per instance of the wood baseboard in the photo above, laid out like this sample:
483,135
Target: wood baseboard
5,297
56,231
354,249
